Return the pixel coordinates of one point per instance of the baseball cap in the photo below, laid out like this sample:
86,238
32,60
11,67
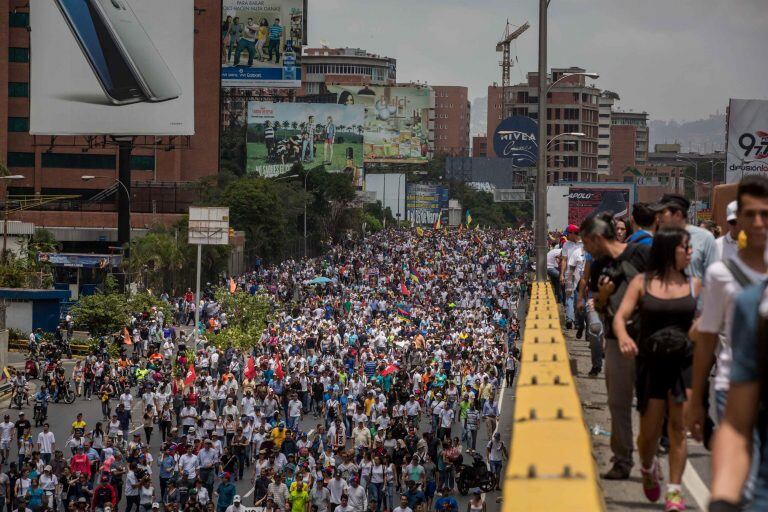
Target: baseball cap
237,498
730,211
674,201
155,505
48,468
572,228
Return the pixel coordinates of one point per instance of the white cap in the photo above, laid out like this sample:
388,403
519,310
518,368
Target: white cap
236,498
730,211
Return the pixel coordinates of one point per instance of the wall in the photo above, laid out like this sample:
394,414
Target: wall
494,115
18,315
451,120
622,149
557,207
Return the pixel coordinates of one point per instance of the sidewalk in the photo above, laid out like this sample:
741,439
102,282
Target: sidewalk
623,495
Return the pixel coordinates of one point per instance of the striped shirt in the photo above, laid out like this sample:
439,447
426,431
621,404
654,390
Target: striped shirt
269,132
275,32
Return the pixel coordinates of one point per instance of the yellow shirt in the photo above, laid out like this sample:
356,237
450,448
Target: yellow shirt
278,437
79,425
369,405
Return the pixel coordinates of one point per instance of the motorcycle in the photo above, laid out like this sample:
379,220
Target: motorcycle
31,368
476,475
67,393
19,397
40,413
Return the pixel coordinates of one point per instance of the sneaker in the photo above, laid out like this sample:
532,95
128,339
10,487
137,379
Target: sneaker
569,325
579,333
674,502
594,372
652,481
617,472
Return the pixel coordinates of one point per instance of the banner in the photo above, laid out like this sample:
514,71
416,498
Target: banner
747,151
583,202
112,67
396,126
424,203
261,43
314,134
516,138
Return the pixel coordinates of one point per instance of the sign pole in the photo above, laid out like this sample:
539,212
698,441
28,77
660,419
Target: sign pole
197,295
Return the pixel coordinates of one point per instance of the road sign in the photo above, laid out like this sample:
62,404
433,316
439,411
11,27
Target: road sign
509,195
208,226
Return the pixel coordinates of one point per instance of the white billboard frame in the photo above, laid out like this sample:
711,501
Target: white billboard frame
208,225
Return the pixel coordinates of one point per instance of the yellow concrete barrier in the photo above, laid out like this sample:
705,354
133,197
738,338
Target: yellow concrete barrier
551,466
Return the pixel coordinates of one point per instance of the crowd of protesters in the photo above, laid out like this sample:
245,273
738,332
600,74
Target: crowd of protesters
673,316
381,362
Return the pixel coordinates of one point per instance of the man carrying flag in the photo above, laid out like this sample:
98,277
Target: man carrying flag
189,380
438,222
468,219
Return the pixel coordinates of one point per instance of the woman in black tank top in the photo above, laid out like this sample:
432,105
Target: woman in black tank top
666,298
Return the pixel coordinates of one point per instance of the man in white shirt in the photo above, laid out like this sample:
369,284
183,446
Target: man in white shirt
236,506
723,282
344,506
553,270
127,399
338,488
7,430
294,411
727,245
208,458
358,497
46,443
403,505
188,417
189,464
572,244
446,420
361,437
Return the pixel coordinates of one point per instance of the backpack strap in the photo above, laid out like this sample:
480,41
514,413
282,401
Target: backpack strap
738,274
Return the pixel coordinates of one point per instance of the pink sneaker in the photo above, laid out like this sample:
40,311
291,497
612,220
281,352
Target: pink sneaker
674,502
652,479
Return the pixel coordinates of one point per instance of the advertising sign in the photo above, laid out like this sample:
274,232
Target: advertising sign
261,43
112,67
516,138
314,134
69,260
396,126
425,202
583,202
747,139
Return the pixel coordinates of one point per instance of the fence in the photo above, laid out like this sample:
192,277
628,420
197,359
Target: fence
551,466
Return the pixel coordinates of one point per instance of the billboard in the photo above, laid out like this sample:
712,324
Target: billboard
396,126
424,202
261,43
516,138
280,135
112,67
747,139
584,201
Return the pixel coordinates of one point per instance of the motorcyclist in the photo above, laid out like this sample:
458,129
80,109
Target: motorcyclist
61,382
19,384
42,397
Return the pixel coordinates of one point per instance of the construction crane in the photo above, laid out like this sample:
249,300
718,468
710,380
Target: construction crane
506,61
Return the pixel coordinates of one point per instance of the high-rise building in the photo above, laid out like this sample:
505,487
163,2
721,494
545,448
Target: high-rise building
572,107
628,141
480,146
54,165
321,66
606,101
452,113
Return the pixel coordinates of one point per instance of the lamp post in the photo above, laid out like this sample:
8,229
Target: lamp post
540,215
6,179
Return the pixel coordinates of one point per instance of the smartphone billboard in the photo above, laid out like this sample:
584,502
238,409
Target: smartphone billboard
261,42
112,67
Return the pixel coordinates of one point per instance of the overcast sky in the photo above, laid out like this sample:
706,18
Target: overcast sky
675,59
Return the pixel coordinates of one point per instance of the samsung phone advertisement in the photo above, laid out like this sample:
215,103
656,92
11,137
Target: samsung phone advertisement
112,67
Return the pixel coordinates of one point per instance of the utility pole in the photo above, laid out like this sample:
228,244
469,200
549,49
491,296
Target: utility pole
540,230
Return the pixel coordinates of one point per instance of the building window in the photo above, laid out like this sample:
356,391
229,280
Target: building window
18,124
18,89
18,159
18,54
142,163
19,19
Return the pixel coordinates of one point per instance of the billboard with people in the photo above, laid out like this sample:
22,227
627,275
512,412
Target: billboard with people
261,42
397,120
112,67
280,135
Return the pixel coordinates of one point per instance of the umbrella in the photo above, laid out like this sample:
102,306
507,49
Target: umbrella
392,368
319,280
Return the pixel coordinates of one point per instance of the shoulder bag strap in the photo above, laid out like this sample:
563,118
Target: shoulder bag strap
738,274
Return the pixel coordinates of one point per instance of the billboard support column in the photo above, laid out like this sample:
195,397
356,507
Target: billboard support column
197,294
540,216
124,150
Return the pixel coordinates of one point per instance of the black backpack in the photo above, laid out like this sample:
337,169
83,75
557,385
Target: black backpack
667,344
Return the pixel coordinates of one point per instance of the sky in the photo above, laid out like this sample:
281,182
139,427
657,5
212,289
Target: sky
675,59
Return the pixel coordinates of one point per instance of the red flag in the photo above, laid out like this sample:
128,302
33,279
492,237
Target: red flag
279,373
392,368
127,337
190,378
250,368
404,289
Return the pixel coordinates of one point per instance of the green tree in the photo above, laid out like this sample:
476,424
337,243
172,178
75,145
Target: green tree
248,316
102,314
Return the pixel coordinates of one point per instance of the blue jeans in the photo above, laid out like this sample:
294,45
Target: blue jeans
595,338
570,300
274,45
245,44
748,492
554,277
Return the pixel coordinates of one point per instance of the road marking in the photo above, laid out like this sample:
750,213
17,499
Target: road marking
249,492
695,485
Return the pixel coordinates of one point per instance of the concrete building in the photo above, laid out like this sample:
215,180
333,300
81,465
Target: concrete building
321,66
452,113
573,106
629,142
606,101
480,146
160,171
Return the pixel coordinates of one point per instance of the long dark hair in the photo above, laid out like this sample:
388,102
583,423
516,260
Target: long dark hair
662,258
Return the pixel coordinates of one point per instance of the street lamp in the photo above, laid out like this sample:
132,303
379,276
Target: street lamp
122,237
6,179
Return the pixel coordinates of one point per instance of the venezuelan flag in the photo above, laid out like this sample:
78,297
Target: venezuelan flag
438,223
468,218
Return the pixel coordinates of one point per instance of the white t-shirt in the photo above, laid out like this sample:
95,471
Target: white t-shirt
46,441
552,256
726,247
575,265
568,246
294,409
718,294
6,428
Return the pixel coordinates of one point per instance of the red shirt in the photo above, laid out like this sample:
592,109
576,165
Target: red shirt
80,463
